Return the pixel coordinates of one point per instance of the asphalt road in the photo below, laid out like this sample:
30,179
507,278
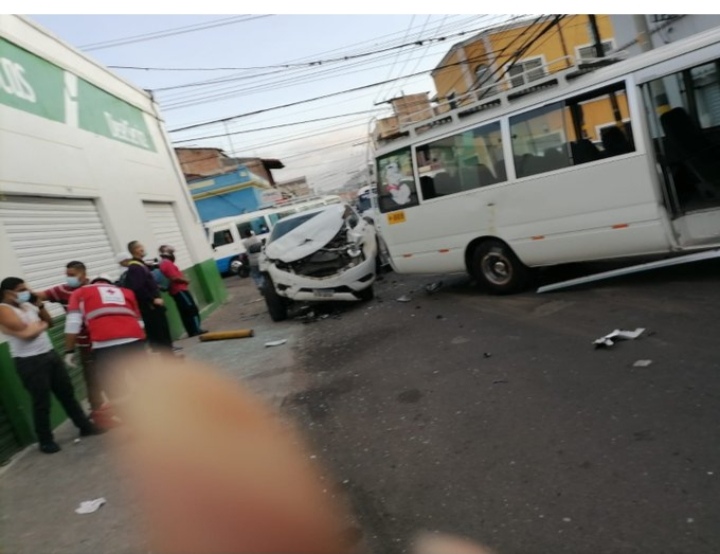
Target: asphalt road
495,418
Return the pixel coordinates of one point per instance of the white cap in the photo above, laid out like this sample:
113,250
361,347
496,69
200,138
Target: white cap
122,256
103,277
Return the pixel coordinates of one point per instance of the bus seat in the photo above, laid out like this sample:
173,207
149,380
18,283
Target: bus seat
584,151
615,142
485,176
500,172
446,184
555,158
699,154
427,187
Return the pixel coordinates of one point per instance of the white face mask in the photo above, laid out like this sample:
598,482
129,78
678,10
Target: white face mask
23,296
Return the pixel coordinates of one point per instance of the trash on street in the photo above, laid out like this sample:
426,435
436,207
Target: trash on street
276,342
610,339
404,298
642,363
433,287
90,506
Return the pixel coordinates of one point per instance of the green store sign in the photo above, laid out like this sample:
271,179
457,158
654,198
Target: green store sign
34,85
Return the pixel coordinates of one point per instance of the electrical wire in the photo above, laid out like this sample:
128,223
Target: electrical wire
171,32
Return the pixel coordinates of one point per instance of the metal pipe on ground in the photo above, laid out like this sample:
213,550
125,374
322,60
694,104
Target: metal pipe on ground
225,335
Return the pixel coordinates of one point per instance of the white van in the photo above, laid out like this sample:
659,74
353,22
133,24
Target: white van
225,236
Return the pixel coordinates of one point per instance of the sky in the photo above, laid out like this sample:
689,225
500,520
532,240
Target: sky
257,47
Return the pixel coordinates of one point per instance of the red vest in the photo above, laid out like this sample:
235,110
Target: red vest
110,312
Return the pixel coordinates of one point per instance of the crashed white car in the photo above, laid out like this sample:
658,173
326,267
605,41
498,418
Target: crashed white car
327,253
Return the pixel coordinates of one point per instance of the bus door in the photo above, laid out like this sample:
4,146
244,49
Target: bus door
683,114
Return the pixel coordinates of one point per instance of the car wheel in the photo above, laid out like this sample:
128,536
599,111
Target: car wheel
497,267
366,295
277,305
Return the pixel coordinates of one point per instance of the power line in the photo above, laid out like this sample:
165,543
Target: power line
172,32
365,112
414,44
305,101
289,77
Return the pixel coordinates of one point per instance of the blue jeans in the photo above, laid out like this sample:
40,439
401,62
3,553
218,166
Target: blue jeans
257,276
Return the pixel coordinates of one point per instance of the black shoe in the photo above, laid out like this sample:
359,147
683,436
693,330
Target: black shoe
203,332
50,447
91,431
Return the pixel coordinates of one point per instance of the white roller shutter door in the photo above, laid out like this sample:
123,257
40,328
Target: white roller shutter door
165,227
47,233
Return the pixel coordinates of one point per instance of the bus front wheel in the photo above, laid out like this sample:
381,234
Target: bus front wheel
497,267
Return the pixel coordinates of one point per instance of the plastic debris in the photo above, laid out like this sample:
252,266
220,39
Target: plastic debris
403,298
610,339
642,363
433,287
90,506
276,342
77,441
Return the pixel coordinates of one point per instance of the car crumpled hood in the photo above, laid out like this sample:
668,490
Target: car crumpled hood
309,237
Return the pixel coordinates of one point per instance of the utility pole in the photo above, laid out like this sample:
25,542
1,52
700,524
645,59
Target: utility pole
597,41
642,32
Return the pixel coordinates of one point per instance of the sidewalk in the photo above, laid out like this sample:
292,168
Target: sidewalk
39,493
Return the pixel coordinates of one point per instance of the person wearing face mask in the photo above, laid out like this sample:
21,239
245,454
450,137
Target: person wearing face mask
179,290
24,321
140,280
76,277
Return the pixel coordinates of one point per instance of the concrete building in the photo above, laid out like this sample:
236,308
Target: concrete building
294,187
663,28
85,167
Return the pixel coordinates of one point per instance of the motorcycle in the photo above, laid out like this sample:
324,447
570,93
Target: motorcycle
241,266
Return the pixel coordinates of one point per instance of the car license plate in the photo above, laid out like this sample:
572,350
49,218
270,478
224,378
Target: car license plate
321,293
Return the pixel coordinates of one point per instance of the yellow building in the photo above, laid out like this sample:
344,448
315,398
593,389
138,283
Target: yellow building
482,63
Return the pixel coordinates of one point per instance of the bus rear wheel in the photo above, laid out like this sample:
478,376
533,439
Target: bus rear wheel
497,267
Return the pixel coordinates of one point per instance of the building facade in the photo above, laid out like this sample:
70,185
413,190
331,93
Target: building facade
85,168
484,63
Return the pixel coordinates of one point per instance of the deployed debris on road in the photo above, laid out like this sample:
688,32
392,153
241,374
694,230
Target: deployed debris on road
677,260
642,363
609,340
276,342
90,506
404,298
225,335
433,287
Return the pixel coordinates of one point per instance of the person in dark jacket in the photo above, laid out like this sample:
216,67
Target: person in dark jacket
140,280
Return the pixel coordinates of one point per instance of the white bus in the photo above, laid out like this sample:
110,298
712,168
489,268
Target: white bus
581,165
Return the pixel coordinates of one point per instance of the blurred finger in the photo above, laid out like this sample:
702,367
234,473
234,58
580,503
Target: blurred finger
216,471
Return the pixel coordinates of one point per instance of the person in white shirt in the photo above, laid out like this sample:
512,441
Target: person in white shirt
24,321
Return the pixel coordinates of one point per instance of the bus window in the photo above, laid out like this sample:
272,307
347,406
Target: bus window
575,131
221,238
396,182
466,161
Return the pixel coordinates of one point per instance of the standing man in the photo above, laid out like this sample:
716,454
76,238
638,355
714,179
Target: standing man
140,280
113,319
253,245
24,321
178,289
76,277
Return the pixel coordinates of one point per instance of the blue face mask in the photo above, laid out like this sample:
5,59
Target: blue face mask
73,282
23,297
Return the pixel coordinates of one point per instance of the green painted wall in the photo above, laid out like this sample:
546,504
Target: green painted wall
206,285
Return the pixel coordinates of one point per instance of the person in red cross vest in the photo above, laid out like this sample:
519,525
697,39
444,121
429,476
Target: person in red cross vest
76,277
114,324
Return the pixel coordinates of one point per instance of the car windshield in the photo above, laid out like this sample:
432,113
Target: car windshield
284,226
